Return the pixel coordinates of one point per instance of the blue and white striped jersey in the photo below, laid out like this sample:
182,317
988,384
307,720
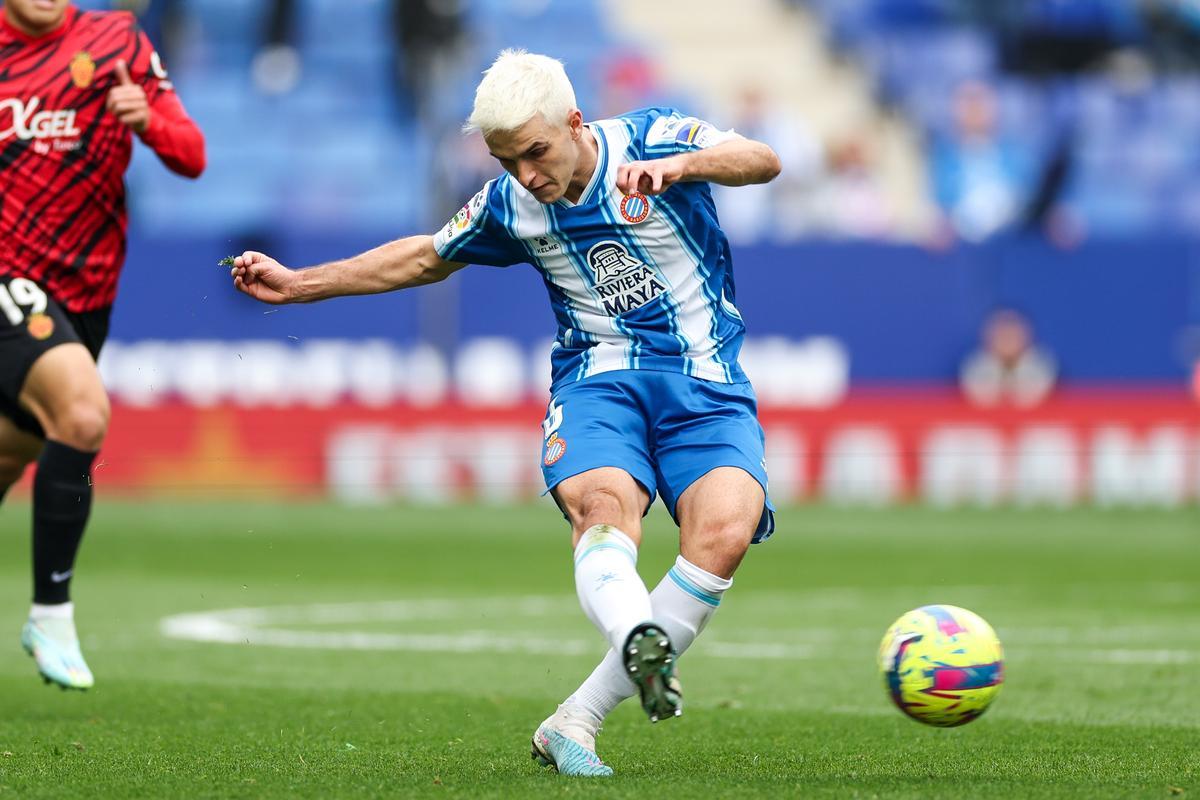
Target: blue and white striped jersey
636,282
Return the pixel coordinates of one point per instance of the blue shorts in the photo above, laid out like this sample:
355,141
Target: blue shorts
665,429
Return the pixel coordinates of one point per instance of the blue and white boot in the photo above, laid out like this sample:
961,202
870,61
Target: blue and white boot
566,741
55,647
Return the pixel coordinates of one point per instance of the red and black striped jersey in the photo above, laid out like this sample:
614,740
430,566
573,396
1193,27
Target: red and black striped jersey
63,156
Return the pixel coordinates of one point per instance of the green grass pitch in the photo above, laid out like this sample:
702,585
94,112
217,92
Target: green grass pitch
424,645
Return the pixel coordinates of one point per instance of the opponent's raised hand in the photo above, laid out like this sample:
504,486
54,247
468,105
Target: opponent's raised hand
263,278
127,101
649,177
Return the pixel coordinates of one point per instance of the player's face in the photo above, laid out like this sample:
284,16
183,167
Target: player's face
542,157
35,16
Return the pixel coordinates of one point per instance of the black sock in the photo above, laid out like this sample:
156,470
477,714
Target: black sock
62,500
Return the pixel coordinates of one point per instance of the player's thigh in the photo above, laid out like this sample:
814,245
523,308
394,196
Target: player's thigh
719,514
18,448
64,392
603,496
31,325
710,445
595,457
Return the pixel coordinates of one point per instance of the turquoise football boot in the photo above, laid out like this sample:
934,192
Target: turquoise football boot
55,648
567,742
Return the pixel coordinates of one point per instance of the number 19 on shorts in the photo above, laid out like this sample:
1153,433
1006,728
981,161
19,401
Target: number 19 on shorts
21,298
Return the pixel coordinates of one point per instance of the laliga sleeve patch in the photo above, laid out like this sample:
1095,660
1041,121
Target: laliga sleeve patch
700,134
465,220
684,134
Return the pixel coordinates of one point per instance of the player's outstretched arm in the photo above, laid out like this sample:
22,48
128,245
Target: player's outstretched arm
396,265
738,162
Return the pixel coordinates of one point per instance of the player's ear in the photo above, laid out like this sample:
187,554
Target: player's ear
575,123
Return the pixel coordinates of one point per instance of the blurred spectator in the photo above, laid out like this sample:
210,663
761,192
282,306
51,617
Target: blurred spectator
276,67
461,164
1057,36
1071,35
1173,28
1008,369
851,201
780,210
429,35
627,81
981,179
162,20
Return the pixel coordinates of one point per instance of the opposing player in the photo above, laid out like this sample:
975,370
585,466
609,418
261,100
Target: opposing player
647,394
74,88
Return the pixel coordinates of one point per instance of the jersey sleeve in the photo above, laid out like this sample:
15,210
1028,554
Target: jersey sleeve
672,132
475,235
172,134
145,65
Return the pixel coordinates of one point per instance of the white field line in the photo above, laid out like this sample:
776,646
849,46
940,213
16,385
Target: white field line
258,626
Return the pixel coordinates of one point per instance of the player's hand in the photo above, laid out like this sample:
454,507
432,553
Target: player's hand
650,177
263,278
127,100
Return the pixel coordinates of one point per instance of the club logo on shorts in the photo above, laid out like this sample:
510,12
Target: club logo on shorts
82,69
556,446
635,208
40,326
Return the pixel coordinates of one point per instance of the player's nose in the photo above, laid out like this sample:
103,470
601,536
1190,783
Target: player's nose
529,178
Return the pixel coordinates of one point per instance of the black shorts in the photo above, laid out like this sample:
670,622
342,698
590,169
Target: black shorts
31,322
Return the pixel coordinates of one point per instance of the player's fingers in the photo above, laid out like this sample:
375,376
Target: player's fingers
632,179
119,106
657,182
134,98
122,72
129,102
252,257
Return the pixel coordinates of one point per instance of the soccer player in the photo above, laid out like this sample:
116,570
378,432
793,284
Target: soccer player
647,393
74,89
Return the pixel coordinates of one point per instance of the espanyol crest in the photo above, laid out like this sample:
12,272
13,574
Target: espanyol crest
635,208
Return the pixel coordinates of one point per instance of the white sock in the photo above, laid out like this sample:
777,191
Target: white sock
39,612
682,603
606,579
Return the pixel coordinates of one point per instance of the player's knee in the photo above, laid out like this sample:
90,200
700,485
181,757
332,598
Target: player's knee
600,506
82,425
730,535
718,545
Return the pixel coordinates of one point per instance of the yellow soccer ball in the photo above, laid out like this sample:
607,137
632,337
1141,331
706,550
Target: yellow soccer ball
942,665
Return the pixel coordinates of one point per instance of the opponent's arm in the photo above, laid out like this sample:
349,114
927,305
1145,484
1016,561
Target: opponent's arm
174,137
162,124
737,162
401,264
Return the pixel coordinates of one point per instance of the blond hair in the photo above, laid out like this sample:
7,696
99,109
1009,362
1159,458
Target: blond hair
517,87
